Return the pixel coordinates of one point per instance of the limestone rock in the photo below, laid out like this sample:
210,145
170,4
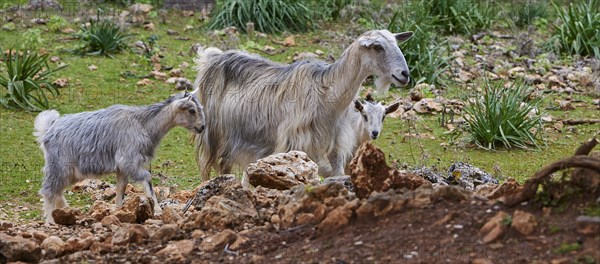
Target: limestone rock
494,228
344,179
369,173
177,250
524,222
427,106
283,171
52,246
65,216
165,233
138,209
338,217
19,249
228,210
218,241
170,215
111,220
130,234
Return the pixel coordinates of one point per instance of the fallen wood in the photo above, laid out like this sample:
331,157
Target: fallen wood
580,160
580,121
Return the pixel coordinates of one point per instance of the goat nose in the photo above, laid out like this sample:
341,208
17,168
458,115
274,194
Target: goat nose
375,134
405,73
200,129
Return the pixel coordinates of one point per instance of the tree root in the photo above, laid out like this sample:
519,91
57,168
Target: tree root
580,160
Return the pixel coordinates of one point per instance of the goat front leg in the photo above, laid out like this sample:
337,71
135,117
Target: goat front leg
138,174
122,181
338,162
150,192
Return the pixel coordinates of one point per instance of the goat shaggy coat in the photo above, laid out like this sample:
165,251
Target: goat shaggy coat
119,139
256,107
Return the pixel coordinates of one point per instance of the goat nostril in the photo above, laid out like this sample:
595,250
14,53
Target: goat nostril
405,73
375,133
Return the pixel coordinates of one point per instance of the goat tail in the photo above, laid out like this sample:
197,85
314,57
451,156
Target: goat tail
43,122
204,55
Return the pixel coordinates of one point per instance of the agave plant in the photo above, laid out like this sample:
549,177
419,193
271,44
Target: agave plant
501,116
102,38
26,83
579,32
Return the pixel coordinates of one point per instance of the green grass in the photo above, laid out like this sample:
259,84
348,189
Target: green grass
21,160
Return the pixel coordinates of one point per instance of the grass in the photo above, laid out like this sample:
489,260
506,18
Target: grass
579,29
21,160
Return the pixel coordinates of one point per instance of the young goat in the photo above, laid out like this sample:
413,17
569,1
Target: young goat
360,123
119,139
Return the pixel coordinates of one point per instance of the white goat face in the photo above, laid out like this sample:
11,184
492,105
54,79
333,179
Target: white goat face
190,113
373,115
385,57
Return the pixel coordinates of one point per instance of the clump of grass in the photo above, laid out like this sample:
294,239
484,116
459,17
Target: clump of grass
501,117
26,81
425,53
567,247
269,16
579,30
102,38
56,23
462,16
525,13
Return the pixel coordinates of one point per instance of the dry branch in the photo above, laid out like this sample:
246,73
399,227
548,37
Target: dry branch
580,160
580,121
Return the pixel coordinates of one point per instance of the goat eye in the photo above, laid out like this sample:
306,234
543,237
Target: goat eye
365,117
378,47
192,111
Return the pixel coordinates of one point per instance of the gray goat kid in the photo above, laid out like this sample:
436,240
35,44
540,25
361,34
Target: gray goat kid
360,123
256,107
119,139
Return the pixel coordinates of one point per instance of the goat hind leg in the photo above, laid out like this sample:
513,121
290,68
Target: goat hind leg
122,181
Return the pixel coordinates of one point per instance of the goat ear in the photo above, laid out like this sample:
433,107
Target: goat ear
392,108
366,42
404,36
358,105
186,94
369,98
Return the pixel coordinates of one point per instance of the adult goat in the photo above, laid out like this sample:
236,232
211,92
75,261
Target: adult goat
119,139
256,107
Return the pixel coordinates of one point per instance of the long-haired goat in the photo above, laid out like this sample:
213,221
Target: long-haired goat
119,139
360,123
256,107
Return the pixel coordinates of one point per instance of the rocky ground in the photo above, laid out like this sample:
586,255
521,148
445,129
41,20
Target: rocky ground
390,216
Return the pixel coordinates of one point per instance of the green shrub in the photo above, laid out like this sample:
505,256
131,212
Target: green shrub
102,38
56,23
525,13
424,52
32,39
269,16
26,81
579,30
329,10
500,116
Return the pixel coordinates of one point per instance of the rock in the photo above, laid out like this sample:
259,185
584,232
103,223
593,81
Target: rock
240,243
75,244
283,171
111,220
468,176
171,215
171,32
138,209
481,261
165,233
149,26
130,234
289,41
232,209
92,67
415,95
218,241
524,222
309,206
39,236
5,225
427,106
183,84
588,225
516,72
161,76
494,228
344,180
177,250
65,216
52,247
61,82
176,72
101,209
451,193
370,173
19,249
304,56
215,186
338,218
